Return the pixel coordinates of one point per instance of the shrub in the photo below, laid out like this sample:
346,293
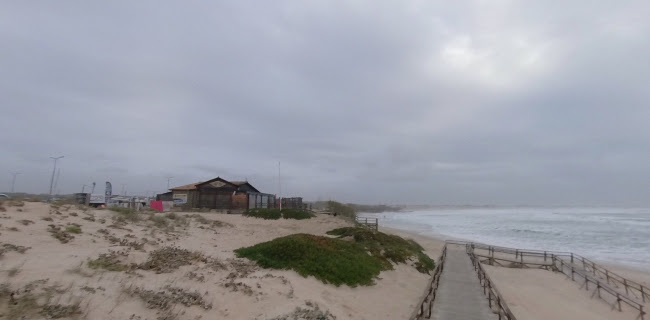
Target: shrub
266,214
107,261
297,214
341,209
330,260
386,247
275,214
125,214
73,229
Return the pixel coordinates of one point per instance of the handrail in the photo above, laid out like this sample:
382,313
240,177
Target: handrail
600,286
596,269
363,221
584,273
489,289
429,295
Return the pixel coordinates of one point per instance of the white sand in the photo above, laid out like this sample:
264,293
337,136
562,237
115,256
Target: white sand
233,294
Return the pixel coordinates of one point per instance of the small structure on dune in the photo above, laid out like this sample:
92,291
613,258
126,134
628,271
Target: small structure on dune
219,193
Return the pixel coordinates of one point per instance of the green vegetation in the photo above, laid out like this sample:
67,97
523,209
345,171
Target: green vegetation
107,261
125,214
330,260
386,248
73,229
275,214
341,209
377,208
159,221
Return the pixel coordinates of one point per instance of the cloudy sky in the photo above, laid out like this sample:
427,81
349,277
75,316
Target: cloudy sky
409,101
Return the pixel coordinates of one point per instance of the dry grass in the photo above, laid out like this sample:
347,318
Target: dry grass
35,302
62,235
165,298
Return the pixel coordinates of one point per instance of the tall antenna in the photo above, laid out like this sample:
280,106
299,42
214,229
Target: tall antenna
13,180
168,179
53,171
56,182
280,184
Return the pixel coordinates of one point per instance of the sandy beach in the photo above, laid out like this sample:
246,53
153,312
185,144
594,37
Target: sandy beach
41,260
229,288
536,294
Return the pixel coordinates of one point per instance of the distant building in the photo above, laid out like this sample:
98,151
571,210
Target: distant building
219,193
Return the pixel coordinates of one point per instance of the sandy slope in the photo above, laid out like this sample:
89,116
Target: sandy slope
236,289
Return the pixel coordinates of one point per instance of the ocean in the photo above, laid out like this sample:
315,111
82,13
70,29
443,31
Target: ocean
609,235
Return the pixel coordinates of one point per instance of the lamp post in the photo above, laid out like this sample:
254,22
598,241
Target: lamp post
168,179
13,180
53,172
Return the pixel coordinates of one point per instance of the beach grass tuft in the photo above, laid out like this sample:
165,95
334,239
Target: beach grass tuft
387,248
330,260
275,214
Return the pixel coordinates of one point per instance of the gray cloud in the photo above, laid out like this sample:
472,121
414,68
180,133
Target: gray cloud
396,101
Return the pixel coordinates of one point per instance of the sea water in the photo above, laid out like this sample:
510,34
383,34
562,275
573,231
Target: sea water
610,235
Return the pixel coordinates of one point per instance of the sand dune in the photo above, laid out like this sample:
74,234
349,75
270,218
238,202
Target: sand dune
217,287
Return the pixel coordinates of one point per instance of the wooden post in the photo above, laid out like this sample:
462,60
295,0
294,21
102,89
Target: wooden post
593,266
642,293
625,284
607,275
618,300
490,299
544,256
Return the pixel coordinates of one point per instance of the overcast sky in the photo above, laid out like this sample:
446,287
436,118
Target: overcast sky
434,102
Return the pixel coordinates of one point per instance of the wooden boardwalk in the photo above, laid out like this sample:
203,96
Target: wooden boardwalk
460,294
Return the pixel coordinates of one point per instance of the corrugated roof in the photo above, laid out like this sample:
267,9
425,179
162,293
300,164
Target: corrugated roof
190,186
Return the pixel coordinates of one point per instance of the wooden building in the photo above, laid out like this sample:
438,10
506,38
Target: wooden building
216,193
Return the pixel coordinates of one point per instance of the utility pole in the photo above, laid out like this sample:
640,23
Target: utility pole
168,179
13,180
280,184
56,182
53,171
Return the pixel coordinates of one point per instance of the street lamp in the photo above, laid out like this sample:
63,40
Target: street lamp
13,181
53,172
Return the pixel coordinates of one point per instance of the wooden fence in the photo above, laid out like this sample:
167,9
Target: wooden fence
371,223
429,295
571,265
495,300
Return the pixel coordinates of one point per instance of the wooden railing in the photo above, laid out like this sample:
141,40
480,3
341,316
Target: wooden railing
372,223
631,287
569,263
571,271
495,300
429,295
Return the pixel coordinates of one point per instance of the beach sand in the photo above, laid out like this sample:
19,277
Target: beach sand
34,263
536,294
57,273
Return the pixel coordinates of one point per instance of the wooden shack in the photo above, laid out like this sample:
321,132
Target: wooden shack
216,193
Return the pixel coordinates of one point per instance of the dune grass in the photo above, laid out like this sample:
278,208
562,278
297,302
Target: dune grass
329,260
354,261
387,248
275,214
